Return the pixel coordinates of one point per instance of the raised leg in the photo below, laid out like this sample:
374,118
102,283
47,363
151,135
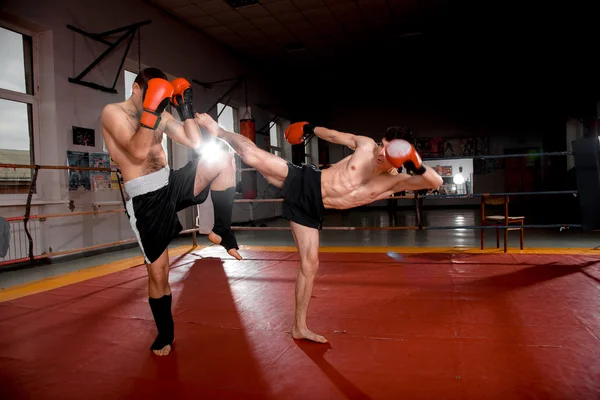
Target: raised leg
160,297
273,168
222,191
307,242
218,170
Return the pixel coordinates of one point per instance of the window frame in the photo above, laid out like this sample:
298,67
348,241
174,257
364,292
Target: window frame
32,99
235,111
308,156
279,135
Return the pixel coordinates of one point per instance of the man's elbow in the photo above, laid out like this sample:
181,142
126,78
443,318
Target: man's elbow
437,181
137,153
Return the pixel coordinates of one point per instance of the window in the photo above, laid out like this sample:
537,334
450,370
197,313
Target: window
227,118
18,107
307,153
275,139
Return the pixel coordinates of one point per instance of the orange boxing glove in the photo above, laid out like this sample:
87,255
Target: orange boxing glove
182,98
399,152
156,96
298,132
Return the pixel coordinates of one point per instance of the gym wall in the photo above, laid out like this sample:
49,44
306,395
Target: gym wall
62,54
454,88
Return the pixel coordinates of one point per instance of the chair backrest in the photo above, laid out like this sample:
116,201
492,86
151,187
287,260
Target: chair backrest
494,201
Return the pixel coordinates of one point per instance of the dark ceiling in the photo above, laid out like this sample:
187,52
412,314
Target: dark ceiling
415,50
311,31
307,31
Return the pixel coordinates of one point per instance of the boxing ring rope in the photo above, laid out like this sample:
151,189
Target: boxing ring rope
27,217
440,196
496,156
475,157
69,214
405,228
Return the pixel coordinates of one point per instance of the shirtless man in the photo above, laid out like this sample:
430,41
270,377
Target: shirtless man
369,174
133,131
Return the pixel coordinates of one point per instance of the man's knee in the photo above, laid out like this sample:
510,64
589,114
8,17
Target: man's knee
158,272
310,266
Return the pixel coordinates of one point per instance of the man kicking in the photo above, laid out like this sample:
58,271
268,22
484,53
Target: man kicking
368,175
133,131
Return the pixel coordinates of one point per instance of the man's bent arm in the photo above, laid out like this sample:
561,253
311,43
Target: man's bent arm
345,139
137,144
186,134
428,180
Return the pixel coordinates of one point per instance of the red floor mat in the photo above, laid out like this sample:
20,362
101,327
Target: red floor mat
431,326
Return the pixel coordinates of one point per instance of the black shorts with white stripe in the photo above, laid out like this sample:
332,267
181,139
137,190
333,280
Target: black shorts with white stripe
153,202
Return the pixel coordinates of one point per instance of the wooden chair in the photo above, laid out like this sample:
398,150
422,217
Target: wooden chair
506,220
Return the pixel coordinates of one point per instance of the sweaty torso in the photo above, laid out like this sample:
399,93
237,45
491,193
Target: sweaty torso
356,181
131,167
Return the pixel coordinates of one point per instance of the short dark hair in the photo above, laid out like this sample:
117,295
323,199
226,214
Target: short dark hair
148,73
399,132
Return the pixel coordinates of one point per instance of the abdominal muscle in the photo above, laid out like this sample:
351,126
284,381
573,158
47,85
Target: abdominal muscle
343,189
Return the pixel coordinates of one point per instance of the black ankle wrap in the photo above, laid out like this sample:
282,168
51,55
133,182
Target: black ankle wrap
223,206
161,310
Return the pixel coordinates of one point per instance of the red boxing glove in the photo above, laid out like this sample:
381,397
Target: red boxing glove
399,152
157,94
182,98
298,132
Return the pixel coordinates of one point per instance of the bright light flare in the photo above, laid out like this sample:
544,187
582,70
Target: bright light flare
212,151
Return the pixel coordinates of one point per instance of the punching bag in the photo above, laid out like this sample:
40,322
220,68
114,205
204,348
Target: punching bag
248,129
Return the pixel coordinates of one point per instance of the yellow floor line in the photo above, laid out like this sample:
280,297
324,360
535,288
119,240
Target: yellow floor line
69,278
422,250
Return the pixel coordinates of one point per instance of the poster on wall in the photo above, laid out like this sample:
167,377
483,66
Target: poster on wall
460,147
452,148
482,145
78,179
84,136
467,146
101,180
444,170
430,147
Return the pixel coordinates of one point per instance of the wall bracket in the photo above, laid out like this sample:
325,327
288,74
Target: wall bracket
129,31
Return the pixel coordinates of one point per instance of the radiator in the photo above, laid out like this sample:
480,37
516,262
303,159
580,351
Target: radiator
19,242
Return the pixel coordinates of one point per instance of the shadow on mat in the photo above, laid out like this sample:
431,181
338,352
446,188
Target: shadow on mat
211,356
316,352
531,275
103,341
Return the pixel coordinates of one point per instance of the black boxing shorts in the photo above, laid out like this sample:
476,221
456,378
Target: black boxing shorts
302,198
152,204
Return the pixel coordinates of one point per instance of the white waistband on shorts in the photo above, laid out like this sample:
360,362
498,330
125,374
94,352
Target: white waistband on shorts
147,183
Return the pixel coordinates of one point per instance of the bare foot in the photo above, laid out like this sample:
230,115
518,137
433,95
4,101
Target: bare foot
308,335
216,239
164,351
